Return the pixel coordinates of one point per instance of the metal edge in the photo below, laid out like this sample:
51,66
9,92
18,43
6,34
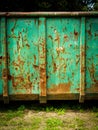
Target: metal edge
82,60
42,59
4,61
47,14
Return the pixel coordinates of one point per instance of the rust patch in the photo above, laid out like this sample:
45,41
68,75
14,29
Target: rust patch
54,67
47,77
21,62
65,38
93,88
0,57
92,71
50,37
19,83
75,35
13,27
36,66
59,89
77,61
28,45
57,38
89,32
34,59
43,81
18,46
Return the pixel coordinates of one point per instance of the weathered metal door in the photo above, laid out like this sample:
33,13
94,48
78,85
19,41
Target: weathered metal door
23,56
63,56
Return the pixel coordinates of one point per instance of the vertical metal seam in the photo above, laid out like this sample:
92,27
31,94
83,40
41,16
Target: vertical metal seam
42,59
4,60
82,60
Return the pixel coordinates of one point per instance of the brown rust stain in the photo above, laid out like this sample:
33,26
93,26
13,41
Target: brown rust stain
19,83
43,81
59,89
0,57
18,46
65,38
20,61
89,32
93,88
75,35
54,67
50,37
77,61
57,39
82,50
36,66
28,45
34,59
94,85
13,27
92,71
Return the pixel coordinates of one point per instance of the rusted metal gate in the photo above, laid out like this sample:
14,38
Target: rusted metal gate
49,56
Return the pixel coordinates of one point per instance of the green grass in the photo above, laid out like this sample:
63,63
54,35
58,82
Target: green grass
54,123
53,116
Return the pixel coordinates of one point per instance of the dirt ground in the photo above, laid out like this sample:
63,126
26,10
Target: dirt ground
55,115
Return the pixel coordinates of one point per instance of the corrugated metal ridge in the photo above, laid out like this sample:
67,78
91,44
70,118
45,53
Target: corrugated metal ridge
22,14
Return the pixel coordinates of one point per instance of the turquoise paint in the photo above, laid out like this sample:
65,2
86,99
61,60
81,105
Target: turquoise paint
62,37
22,36
92,55
1,88
61,33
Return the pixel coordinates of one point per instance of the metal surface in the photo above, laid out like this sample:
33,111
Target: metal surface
47,14
4,61
82,60
49,56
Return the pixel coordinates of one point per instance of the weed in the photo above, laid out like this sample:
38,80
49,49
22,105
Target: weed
21,108
96,114
54,122
60,111
79,124
49,109
35,123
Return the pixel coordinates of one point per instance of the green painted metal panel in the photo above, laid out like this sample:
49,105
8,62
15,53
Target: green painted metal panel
1,87
63,55
23,62
92,55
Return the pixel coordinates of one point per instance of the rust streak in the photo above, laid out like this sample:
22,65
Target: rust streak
13,27
54,67
60,88
28,45
50,37
65,38
36,66
34,59
19,83
43,81
89,32
76,35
